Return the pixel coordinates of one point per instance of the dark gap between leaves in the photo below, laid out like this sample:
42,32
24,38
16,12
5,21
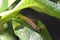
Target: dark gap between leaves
51,23
11,29
54,1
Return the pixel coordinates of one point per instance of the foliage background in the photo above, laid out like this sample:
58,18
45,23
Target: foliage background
51,23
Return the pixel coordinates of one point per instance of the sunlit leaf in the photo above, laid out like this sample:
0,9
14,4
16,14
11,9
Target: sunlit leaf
52,9
10,2
0,3
46,6
4,5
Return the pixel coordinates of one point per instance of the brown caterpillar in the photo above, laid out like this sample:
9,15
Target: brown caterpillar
26,19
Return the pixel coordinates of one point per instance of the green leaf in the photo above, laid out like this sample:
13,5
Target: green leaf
7,15
26,32
10,2
4,5
46,6
44,33
0,3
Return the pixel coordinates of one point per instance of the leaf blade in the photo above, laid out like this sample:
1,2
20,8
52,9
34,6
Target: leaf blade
26,33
